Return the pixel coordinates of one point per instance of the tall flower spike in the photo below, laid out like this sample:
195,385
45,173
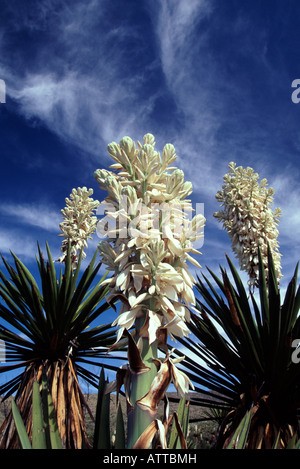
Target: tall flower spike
151,242
79,223
152,257
248,217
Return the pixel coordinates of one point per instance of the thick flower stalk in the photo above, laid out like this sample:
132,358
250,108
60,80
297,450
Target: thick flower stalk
249,219
150,236
79,222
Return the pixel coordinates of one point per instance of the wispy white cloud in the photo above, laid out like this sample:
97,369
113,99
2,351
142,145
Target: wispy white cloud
26,224
21,245
182,54
23,225
41,216
191,74
92,83
175,25
77,86
287,198
74,107
225,115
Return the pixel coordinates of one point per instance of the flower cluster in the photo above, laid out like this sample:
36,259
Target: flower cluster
152,237
79,223
249,219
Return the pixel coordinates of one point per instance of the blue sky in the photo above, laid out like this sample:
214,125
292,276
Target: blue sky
213,77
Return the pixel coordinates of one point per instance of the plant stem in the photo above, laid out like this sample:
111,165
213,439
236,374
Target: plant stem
139,419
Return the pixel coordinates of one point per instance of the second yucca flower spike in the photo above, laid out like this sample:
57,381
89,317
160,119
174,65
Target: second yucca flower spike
79,222
249,219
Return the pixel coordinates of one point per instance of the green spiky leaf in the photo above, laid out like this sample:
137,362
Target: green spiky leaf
120,442
38,427
22,434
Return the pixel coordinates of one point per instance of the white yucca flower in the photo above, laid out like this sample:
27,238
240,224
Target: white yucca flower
249,219
79,222
151,238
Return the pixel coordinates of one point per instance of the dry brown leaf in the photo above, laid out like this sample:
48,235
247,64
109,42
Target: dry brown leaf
75,422
54,385
232,308
162,336
157,389
117,296
144,330
61,408
121,378
39,373
146,438
134,356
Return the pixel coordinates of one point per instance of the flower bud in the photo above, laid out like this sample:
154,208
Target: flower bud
149,139
127,144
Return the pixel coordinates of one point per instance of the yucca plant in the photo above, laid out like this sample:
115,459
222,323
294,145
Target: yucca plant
239,439
147,251
51,329
244,355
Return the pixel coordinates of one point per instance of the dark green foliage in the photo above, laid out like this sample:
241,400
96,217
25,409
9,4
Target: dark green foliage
182,425
45,434
102,423
102,432
50,328
52,321
244,355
